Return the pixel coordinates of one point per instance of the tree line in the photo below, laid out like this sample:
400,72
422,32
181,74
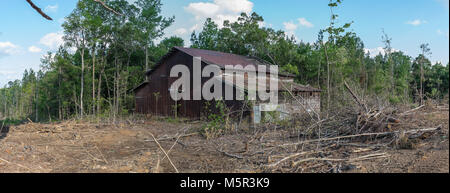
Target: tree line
105,56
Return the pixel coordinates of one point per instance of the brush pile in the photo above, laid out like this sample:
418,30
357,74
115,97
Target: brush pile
359,132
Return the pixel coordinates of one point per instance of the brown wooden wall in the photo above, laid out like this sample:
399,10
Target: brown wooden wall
159,82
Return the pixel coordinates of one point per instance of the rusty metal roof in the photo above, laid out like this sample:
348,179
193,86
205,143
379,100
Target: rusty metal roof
283,85
298,87
139,86
220,59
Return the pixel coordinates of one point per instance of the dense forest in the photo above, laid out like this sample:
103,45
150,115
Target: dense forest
106,55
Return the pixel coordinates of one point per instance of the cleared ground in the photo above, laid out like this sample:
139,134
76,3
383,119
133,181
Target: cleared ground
129,147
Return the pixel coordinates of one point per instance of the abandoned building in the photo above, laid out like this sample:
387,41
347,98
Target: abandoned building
153,96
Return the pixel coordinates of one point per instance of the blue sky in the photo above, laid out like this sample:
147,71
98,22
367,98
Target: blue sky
25,36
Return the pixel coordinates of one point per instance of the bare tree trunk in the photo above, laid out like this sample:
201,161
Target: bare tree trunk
421,82
37,99
146,61
392,75
59,94
93,82
99,87
48,112
82,84
115,98
108,88
328,81
119,78
75,99
318,73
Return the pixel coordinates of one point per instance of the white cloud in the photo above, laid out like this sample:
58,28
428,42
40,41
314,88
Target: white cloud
416,22
51,8
201,9
290,26
181,31
34,49
6,76
235,6
305,23
379,50
218,11
8,48
52,40
9,75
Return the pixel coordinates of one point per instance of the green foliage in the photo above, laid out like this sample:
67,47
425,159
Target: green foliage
115,44
8,122
216,118
391,75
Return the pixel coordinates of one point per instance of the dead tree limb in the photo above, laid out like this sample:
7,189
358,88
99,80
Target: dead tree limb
360,103
176,142
412,110
287,158
172,138
229,155
108,8
39,10
366,157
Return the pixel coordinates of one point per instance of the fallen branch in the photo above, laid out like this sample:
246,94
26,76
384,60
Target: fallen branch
287,158
168,152
412,110
362,135
164,151
366,157
1,159
172,138
104,159
229,155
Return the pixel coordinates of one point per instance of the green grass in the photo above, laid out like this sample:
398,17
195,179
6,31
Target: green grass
11,122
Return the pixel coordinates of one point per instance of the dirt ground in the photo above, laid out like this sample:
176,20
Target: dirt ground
129,147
